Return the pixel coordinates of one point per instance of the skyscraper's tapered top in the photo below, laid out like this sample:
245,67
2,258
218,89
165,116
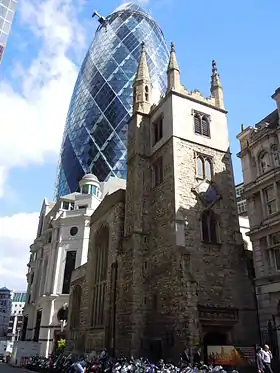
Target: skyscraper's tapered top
143,70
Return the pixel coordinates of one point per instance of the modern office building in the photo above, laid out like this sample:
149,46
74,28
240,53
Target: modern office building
16,317
5,310
7,12
95,134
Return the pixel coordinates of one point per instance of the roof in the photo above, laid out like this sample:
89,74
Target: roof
4,290
19,297
271,118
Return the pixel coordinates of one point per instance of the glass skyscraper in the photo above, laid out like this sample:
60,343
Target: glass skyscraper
7,11
94,138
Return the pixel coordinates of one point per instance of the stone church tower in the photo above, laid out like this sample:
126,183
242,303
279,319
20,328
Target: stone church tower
182,274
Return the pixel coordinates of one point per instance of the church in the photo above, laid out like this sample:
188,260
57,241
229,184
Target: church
166,263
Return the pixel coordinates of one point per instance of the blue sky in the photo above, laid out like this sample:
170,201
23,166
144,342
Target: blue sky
46,47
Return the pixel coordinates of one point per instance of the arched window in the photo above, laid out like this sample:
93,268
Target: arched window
209,227
205,128
263,162
200,168
197,127
204,168
201,124
275,155
208,169
76,307
134,95
146,93
100,259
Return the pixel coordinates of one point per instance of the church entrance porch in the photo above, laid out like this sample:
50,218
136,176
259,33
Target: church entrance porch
216,324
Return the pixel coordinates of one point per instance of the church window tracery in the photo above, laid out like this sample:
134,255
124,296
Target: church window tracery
201,124
100,257
158,172
204,167
209,227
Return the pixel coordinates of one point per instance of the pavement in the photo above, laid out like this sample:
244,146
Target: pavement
6,368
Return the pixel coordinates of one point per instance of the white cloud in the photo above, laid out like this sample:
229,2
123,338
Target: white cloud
16,234
33,116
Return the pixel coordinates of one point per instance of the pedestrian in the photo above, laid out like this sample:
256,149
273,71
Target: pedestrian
259,360
79,366
266,358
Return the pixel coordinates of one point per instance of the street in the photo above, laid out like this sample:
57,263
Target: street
5,368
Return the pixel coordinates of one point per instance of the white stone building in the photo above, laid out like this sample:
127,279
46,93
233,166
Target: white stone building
261,173
61,246
243,215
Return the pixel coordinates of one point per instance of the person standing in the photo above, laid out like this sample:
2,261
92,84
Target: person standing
259,360
266,358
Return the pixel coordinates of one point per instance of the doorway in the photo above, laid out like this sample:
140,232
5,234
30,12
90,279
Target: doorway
213,339
156,350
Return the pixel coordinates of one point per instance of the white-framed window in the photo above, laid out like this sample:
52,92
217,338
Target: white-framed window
270,200
239,190
241,206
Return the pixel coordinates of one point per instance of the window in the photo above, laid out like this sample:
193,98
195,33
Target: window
69,268
101,247
208,169
209,227
158,171
76,305
204,168
157,130
270,200
201,124
200,168
93,189
277,259
274,239
73,231
66,205
263,162
238,191
241,207
146,93
275,155
85,189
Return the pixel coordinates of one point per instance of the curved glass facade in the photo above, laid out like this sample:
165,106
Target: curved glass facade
94,138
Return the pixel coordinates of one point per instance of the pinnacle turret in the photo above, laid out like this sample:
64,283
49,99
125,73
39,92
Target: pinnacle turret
216,86
173,71
143,70
142,85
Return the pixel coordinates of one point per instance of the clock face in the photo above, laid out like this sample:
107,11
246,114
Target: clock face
207,192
